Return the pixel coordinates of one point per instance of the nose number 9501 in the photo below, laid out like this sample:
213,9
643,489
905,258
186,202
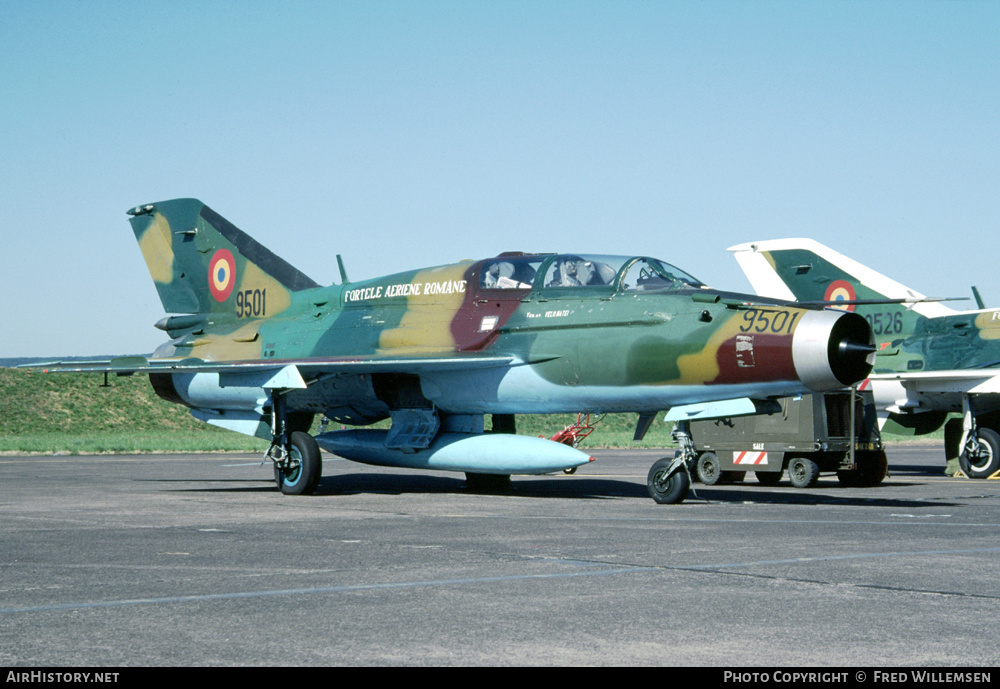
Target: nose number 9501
761,321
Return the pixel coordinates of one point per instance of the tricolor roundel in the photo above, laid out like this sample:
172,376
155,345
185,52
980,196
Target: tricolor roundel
840,290
221,274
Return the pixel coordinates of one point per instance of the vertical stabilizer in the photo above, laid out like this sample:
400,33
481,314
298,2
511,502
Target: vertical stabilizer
805,270
202,263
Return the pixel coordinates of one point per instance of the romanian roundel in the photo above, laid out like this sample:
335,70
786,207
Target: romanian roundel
221,274
841,290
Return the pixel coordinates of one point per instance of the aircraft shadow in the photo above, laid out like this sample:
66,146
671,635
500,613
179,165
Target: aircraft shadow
404,484
898,470
239,485
555,487
799,496
578,488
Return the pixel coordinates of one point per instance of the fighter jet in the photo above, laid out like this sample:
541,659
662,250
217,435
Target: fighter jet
259,348
932,360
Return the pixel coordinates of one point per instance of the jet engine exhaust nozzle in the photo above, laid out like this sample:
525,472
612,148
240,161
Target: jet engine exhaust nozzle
833,349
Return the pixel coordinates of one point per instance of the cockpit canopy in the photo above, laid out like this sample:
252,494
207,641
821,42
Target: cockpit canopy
621,273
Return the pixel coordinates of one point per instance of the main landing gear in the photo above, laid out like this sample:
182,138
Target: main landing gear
980,445
980,456
298,464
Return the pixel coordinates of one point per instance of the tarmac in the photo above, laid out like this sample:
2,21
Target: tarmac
198,560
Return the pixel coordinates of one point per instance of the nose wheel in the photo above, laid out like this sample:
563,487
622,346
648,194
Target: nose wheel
668,481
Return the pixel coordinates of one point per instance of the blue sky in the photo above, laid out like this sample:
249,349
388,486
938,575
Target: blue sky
405,134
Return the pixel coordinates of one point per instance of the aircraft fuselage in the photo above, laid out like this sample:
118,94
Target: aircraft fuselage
631,343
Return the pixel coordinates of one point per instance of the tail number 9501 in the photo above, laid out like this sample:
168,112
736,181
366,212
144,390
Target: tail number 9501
251,303
777,322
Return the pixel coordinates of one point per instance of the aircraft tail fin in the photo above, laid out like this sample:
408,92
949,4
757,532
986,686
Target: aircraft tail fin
805,270
202,263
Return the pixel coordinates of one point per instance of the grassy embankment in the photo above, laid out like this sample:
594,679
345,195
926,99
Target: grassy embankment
71,413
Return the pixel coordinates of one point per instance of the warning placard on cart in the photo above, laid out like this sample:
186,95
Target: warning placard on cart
751,458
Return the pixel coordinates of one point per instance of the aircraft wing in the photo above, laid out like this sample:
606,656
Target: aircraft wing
309,367
966,381
925,391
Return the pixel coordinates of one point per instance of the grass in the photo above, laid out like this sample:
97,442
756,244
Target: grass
71,413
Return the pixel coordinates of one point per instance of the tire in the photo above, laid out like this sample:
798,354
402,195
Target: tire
803,472
669,492
487,483
848,478
707,470
303,478
873,467
986,461
768,478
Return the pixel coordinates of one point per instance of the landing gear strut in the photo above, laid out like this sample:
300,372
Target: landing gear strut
980,445
298,469
298,464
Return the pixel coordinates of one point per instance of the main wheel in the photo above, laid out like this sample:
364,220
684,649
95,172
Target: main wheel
667,490
306,466
487,483
803,472
985,460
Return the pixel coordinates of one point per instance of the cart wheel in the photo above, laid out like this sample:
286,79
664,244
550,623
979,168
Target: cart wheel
848,478
707,470
873,467
803,472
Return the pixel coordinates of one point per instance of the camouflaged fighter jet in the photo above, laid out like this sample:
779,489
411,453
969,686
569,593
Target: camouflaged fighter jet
931,359
258,347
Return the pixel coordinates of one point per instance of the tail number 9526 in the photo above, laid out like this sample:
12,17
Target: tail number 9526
777,322
251,303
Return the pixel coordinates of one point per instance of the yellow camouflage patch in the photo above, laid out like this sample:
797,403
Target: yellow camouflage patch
426,325
259,294
988,323
157,250
238,345
703,366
